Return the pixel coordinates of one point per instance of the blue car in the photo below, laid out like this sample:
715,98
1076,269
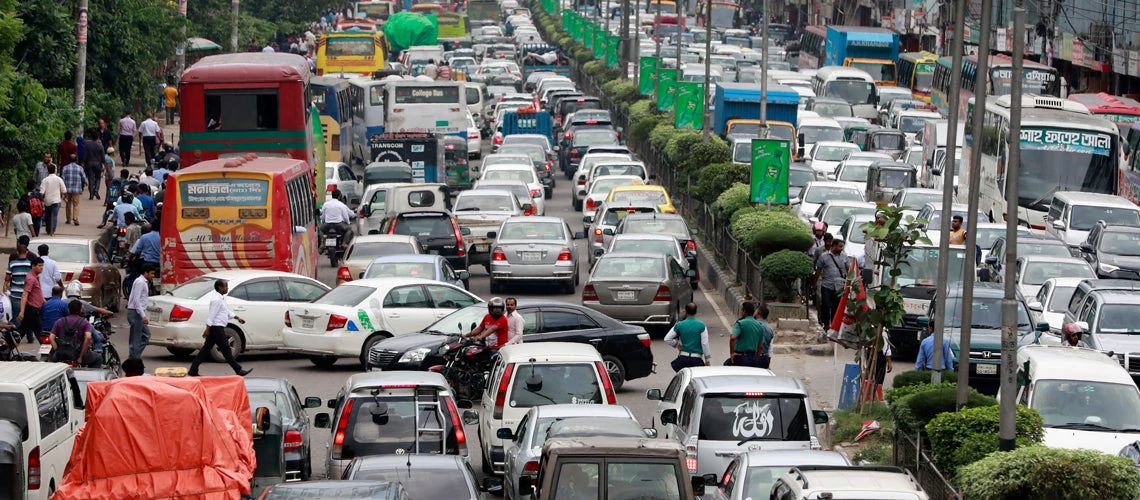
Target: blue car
426,266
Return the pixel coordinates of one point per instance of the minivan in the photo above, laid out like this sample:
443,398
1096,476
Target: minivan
838,482
43,401
1072,214
382,201
611,467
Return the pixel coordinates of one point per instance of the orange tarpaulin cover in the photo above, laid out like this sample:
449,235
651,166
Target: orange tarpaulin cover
158,437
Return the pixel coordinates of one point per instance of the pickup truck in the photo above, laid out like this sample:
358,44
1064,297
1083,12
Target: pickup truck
480,222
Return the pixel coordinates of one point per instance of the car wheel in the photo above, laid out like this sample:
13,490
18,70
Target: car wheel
568,288
111,301
371,341
615,369
577,205
485,462
307,469
495,286
180,353
323,361
234,339
549,193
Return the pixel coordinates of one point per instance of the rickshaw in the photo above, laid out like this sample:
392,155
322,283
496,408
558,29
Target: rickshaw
455,163
890,141
11,460
885,178
857,134
387,172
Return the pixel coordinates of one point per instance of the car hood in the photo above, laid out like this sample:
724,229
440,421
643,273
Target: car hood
1074,237
410,341
1074,439
1121,261
986,339
1116,342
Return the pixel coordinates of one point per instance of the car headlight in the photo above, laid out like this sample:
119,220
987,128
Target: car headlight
1107,268
414,355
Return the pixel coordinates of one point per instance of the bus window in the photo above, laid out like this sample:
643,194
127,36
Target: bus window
237,110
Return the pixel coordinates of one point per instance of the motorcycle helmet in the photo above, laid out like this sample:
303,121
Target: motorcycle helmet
819,226
496,303
73,289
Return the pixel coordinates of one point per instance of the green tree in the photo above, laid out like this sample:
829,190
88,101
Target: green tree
129,43
47,50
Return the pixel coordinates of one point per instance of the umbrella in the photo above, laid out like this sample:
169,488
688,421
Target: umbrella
194,44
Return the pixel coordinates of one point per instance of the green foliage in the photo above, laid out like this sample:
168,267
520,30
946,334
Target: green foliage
47,51
129,42
914,411
732,200
713,152
594,69
964,437
783,268
763,232
899,392
877,453
661,134
583,55
641,128
715,179
641,109
623,93
912,377
849,422
680,145
1044,473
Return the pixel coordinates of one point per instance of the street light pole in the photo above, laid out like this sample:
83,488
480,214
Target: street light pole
81,59
182,42
657,53
234,27
706,127
636,50
624,52
763,72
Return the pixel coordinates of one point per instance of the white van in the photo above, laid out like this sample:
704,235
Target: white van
528,375
44,401
1085,398
838,482
1072,214
933,139
671,398
850,84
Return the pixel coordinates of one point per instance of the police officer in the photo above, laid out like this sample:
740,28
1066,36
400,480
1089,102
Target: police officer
691,339
747,337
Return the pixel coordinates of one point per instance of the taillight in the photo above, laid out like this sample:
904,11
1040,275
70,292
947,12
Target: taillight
530,211
691,454
574,153
180,313
530,469
568,135
343,274
458,239
645,339
534,193
663,294
460,436
336,322
341,426
330,188
288,320
690,246
589,294
501,395
564,256
582,181
606,383
34,469
122,231
498,139
498,256
598,235
45,338
590,205
473,135
293,441
87,275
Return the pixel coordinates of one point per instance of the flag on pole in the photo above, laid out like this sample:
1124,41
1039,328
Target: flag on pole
842,325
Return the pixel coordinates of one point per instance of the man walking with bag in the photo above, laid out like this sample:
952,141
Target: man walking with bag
216,321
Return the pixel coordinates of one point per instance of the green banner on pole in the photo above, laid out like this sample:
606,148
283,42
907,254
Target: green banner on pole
647,72
566,19
666,89
579,29
600,43
613,43
588,36
770,158
690,105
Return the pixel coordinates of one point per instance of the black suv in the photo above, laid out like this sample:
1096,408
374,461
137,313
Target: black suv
436,231
1114,251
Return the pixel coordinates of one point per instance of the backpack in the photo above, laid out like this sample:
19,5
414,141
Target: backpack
67,347
36,206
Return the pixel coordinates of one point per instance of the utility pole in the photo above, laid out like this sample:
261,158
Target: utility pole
607,23
763,71
182,41
657,53
680,31
636,49
1007,416
706,126
949,170
234,27
81,60
624,51
980,92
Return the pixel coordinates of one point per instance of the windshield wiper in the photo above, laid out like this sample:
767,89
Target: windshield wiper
1084,426
548,398
468,209
751,438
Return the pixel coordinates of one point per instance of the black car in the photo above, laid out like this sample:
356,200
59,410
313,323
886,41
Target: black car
670,224
624,348
579,137
278,393
437,232
1114,251
426,476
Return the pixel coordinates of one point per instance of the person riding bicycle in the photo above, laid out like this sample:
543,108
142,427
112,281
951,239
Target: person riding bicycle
493,326
72,339
335,214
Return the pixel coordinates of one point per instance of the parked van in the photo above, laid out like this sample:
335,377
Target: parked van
728,414
933,139
609,467
850,84
43,401
527,375
1072,214
1085,398
381,201
671,398
836,482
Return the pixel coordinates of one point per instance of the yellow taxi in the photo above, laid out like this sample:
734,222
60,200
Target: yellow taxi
648,193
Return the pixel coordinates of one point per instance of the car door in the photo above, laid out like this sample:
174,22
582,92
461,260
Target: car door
377,203
446,299
260,303
513,449
407,309
349,185
1092,241
566,325
302,422
449,275
669,399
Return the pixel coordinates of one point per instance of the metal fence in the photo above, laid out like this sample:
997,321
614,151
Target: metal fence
908,454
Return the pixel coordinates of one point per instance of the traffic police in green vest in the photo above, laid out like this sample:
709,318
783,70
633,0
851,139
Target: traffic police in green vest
691,339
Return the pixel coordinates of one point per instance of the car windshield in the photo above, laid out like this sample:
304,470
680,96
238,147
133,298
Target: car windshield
426,482
854,173
676,228
852,91
1084,217
619,169
830,109
736,417
890,142
912,124
535,153
65,252
275,400
543,231
798,178
835,216
13,409
1043,247
461,321
645,195
424,270
742,153
616,214
666,247
345,296
1037,272
1116,407
524,176
425,226
920,198
922,268
896,179
195,288
1120,243
561,383
813,134
603,186
832,153
627,268
987,312
1059,301
820,194
474,201
379,248
1118,318
521,139
758,481
519,190
595,137
497,159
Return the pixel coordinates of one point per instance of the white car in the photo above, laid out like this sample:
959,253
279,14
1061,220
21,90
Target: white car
582,175
815,193
340,176
853,172
599,189
671,397
524,173
1034,270
177,319
817,129
1052,301
474,139
827,155
349,319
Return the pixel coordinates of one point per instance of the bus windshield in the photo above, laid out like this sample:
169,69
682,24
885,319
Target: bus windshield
1039,81
1065,160
852,91
350,46
924,76
880,71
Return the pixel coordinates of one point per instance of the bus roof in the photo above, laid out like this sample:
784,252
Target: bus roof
995,61
1107,103
1049,111
819,30
862,29
329,81
256,164
244,67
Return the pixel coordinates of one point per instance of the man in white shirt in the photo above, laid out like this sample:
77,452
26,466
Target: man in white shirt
515,322
268,48
50,276
150,131
216,321
335,214
136,311
53,189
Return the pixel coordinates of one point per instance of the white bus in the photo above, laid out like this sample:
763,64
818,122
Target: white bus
437,107
850,84
367,115
1064,147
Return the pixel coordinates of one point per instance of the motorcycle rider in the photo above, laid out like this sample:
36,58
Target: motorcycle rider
493,326
336,215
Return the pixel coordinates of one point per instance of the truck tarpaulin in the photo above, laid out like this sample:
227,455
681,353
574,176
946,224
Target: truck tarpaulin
162,437
406,29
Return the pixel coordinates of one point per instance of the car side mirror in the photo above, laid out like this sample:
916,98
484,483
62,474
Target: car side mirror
260,421
331,403
800,151
698,485
653,394
598,252
936,171
1035,305
526,485
581,192
492,234
491,484
1083,325
464,231
588,219
464,275
813,220
1042,326
669,416
1087,248
322,421
366,210
1058,225
691,254
312,402
527,206
650,432
360,276
608,232
470,417
504,433
820,416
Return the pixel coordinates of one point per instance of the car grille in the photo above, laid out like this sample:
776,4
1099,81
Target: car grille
1130,361
985,355
381,358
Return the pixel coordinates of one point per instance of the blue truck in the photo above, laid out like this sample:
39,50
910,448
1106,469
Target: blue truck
741,101
873,50
531,65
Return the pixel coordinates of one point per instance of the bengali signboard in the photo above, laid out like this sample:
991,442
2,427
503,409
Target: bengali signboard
1073,141
227,192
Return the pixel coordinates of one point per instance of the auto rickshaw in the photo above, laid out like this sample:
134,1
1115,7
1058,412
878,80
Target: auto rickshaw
11,460
890,141
885,178
858,134
456,164
387,172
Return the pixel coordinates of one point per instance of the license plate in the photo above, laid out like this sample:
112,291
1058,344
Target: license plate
530,256
330,242
45,349
152,316
987,369
626,295
482,248
306,323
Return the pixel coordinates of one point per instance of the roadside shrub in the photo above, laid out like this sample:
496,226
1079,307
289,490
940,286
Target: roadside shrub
640,109
913,412
680,145
641,128
914,377
623,92
763,232
731,200
715,179
583,55
783,268
594,69
703,154
660,135
892,395
966,436
744,211
1047,473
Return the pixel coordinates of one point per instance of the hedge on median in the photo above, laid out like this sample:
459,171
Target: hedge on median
765,231
923,403
963,437
782,269
732,200
1048,473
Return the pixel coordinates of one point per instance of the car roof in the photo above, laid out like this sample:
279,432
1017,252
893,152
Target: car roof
548,351
622,426
849,203
813,121
655,216
1097,199
831,184
1066,282
377,238
535,218
410,460
792,458
841,144
387,283
58,240
1118,296
1120,228
378,379
985,289
644,236
409,257
582,410
640,187
1058,363
612,446
741,382
1049,258
846,478
715,371
248,274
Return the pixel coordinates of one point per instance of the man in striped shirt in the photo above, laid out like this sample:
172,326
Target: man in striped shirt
19,265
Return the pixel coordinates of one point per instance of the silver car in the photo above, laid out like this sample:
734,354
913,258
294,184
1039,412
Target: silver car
519,188
601,225
645,243
534,249
523,445
752,474
481,211
638,288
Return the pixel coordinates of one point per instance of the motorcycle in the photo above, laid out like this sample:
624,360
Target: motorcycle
467,366
334,244
110,356
9,350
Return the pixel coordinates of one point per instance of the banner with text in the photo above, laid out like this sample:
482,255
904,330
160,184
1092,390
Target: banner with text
647,74
690,105
770,158
613,42
666,89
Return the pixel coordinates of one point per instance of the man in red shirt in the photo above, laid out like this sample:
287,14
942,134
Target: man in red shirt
32,300
494,325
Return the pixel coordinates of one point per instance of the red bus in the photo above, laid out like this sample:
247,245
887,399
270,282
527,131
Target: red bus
233,104
1123,111
813,47
239,213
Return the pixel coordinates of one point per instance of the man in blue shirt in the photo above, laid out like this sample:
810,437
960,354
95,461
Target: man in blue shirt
147,248
144,197
925,360
54,308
